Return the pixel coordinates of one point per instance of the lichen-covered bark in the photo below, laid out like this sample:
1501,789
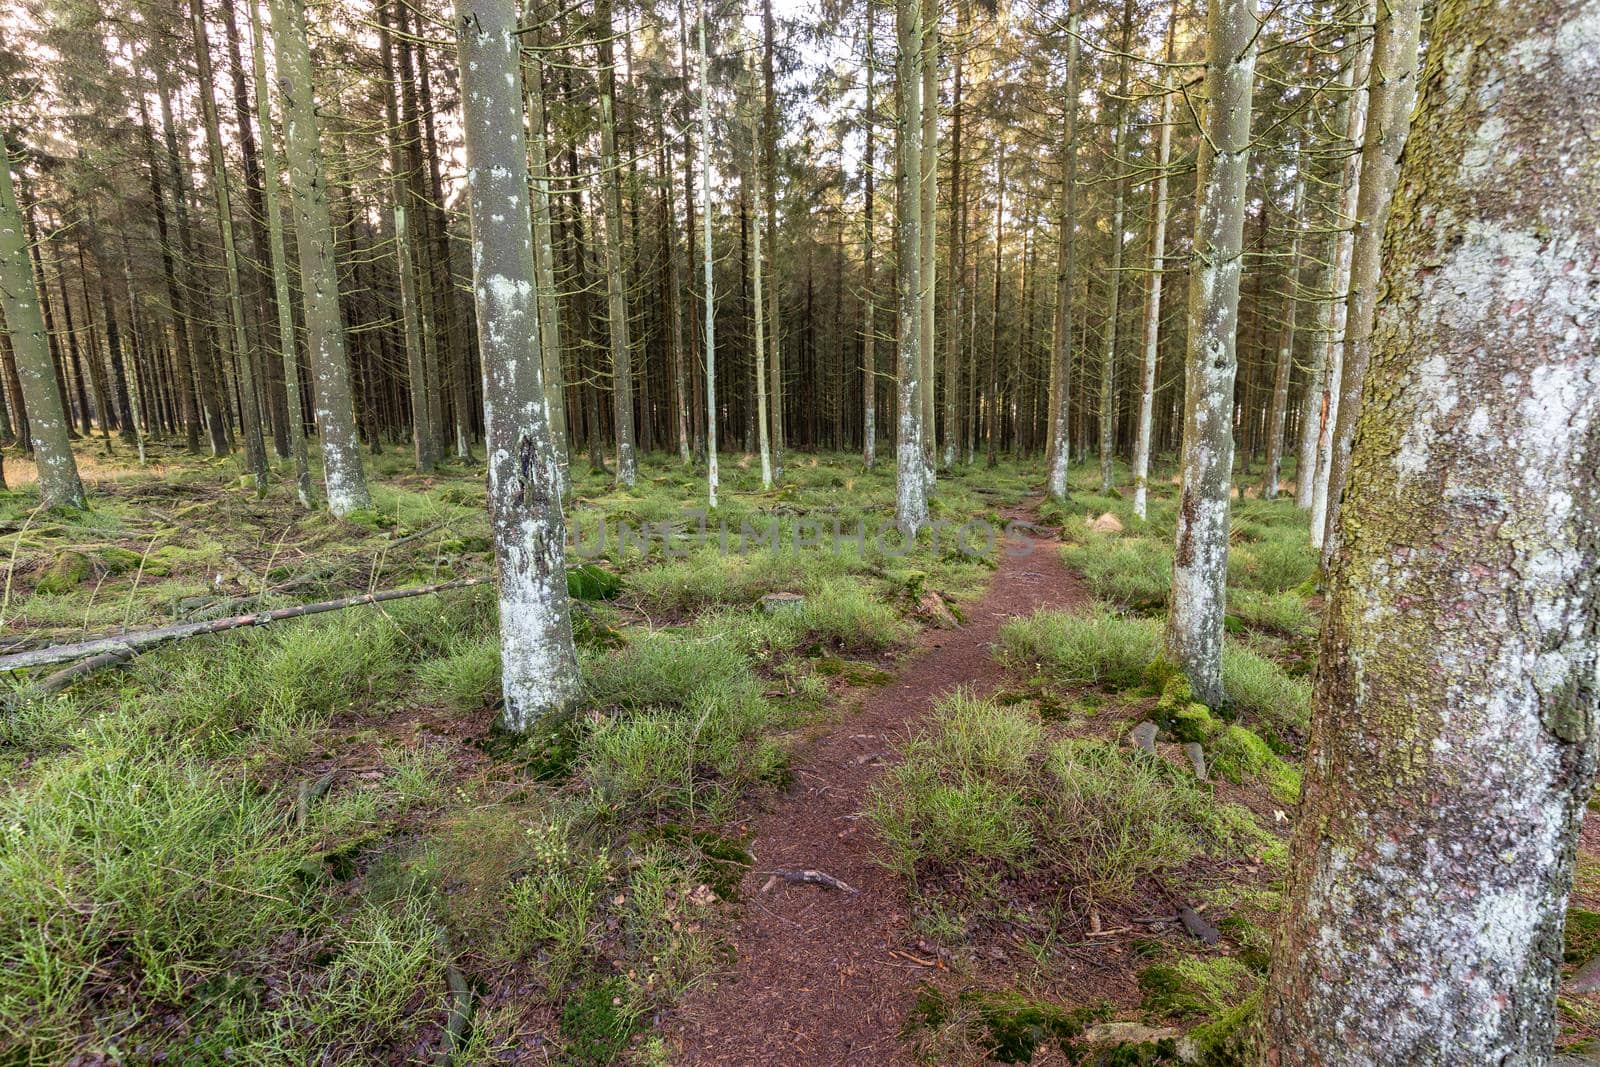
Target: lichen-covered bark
1393,91
343,478
280,266
59,485
911,485
928,225
539,666
1453,739
1200,558
1066,231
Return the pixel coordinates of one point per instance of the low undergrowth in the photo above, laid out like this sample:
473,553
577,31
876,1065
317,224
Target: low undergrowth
305,842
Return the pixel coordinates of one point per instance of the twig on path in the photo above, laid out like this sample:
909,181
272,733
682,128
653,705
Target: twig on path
808,876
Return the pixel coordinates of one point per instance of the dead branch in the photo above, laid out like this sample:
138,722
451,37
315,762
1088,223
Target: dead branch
143,640
811,877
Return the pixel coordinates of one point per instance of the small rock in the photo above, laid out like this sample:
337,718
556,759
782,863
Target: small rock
1107,523
1197,759
1198,927
1144,736
1585,980
931,606
776,603
1116,1033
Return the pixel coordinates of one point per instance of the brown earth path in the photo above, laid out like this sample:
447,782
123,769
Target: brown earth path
816,980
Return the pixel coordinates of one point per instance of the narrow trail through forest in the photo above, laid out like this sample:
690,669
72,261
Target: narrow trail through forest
817,978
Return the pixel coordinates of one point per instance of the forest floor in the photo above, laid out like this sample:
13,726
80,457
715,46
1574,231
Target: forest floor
307,842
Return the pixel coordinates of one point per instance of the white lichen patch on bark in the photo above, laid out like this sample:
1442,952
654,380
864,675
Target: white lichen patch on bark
1454,733
539,668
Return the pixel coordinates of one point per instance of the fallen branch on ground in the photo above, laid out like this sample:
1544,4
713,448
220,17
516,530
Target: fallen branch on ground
811,877
142,640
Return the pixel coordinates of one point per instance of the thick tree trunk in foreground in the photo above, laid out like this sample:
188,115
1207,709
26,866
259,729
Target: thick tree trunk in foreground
1394,90
19,299
1453,741
341,449
1200,558
911,483
539,666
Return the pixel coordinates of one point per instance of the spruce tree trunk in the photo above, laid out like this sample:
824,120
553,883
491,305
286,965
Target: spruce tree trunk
1394,90
1454,713
343,478
911,484
616,280
763,439
287,355
255,449
425,446
555,378
1331,325
539,666
769,127
958,233
1158,266
1108,354
201,348
1066,238
1193,637
928,186
59,485
1279,412
869,314
711,308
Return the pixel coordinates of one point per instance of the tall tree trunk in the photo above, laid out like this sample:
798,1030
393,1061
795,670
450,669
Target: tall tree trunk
255,450
255,272
1108,354
957,282
287,357
1200,558
869,326
1066,230
911,483
928,186
616,279
1454,715
555,378
176,292
711,309
1331,321
201,348
59,485
539,666
343,478
1158,266
425,447
1285,363
1394,89
757,312
769,127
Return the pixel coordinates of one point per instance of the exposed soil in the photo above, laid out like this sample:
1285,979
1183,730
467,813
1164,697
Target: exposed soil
823,976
